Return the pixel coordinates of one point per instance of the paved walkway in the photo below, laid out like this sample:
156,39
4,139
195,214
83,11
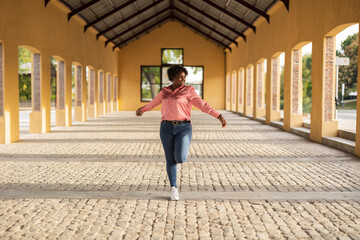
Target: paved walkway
106,178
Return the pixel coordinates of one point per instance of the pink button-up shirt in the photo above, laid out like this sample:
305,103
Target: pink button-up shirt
176,105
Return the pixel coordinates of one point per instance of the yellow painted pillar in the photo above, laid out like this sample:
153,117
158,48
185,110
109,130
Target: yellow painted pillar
83,94
268,95
101,96
357,145
78,104
323,84
240,93
36,124
96,95
317,87
45,93
68,93
2,122
228,92
115,96
249,79
287,90
259,88
92,107
61,85
10,120
109,99
233,91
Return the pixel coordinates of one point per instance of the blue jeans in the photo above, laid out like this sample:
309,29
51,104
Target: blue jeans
176,142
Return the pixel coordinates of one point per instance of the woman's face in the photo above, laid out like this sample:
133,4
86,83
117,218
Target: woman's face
179,80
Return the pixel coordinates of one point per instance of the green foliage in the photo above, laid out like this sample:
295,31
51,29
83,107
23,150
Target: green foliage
24,56
307,84
348,74
172,56
24,86
150,82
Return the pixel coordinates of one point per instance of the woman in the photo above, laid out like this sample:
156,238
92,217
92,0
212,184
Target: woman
176,130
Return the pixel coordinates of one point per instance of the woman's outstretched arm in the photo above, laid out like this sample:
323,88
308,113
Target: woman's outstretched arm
155,102
196,100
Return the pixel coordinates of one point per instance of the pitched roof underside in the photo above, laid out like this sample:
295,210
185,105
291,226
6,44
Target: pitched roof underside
124,21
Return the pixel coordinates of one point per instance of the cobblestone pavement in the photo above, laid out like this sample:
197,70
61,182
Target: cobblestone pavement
106,179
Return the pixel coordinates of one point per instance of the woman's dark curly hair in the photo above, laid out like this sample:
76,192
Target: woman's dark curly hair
175,70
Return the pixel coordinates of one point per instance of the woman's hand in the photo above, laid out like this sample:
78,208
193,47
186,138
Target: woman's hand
139,112
222,120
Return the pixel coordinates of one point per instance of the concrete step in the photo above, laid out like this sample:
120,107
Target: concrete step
277,124
306,125
340,143
347,135
301,131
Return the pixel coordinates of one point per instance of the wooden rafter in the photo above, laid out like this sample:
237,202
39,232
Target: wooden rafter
254,9
108,14
83,7
213,19
128,18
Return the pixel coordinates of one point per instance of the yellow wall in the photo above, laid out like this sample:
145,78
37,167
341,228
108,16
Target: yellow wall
47,31
147,51
307,21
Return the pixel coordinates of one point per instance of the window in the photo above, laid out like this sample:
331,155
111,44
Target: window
150,82
153,78
171,56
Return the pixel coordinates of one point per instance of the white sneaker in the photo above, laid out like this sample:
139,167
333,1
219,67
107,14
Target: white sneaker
174,193
178,167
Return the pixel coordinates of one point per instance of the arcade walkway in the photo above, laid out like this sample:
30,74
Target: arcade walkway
106,178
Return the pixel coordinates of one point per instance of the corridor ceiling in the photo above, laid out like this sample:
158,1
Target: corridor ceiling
124,21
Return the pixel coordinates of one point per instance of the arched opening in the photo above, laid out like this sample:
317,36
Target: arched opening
53,81
282,73
340,81
306,61
275,112
346,73
30,120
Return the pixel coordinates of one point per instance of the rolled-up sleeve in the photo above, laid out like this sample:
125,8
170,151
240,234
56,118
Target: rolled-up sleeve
155,102
196,100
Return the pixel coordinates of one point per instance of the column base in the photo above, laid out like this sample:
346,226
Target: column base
275,116
2,130
91,111
78,114
260,112
330,129
60,118
35,122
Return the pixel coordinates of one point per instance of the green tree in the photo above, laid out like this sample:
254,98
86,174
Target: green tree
349,74
150,76
307,84
24,56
